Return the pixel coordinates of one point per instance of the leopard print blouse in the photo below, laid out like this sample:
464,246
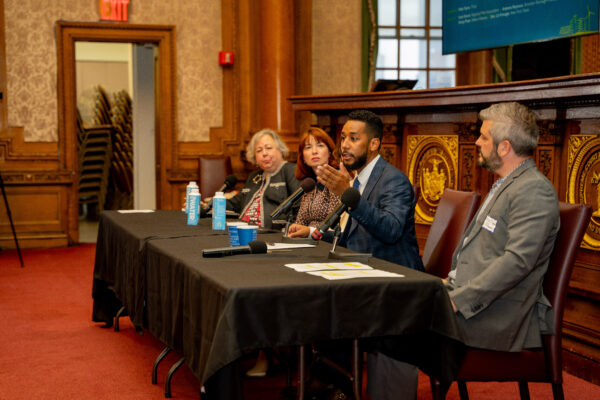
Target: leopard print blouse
316,205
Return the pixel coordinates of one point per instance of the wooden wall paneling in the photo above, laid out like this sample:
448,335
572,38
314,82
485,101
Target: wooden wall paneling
567,107
37,204
590,60
474,68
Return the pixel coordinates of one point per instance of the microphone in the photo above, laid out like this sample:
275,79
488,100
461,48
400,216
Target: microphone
254,247
306,186
349,200
230,182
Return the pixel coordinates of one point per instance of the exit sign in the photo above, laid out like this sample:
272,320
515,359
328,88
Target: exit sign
113,10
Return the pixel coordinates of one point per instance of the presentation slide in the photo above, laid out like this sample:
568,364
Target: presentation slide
482,24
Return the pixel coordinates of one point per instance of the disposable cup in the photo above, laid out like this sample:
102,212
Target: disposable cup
232,229
247,233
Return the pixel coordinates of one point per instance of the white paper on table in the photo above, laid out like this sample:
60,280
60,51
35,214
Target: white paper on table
134,211
350,274
332,266
286,246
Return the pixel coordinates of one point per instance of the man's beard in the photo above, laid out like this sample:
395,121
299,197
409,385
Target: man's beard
492,163
358,163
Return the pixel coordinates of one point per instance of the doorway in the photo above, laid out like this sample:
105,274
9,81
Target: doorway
163,104
116,126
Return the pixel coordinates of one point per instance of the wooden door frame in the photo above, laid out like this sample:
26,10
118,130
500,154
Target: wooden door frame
67,33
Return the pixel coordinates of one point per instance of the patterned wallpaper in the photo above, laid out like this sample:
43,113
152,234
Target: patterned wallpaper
336,44
31,60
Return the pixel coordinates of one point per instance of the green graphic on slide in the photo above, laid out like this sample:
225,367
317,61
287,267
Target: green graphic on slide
578,26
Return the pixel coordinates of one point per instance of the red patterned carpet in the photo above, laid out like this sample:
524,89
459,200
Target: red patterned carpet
50,348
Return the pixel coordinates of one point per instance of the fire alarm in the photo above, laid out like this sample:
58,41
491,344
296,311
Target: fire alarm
226,58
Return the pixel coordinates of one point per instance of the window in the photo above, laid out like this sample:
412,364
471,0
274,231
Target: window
410,43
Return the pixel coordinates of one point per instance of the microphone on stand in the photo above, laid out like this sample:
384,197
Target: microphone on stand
349,200
306,186
337,232
230,181
254,247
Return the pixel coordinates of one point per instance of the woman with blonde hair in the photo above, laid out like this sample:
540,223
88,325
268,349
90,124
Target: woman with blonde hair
267,187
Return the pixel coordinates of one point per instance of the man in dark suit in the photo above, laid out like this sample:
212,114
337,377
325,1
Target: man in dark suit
383,223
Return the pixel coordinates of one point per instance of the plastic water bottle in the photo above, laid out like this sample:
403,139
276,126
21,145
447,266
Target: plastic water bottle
194,207
218,216
188,190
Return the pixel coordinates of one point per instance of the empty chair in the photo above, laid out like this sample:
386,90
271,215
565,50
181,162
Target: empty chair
455,211
212,171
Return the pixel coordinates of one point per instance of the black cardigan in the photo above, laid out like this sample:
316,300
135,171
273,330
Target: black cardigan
279,187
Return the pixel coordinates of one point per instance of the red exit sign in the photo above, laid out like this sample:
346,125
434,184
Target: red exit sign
113,10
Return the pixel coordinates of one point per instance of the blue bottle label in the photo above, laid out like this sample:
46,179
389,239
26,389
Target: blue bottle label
218,217
194,207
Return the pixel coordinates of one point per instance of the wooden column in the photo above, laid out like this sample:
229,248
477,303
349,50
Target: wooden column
277,73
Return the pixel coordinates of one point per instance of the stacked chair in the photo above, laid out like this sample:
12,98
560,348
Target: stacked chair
94,164
122,140
106,153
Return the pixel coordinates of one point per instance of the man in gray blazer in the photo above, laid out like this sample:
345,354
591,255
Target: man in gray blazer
495,282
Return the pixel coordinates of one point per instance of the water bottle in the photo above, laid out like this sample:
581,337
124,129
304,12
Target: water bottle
218,216
188,190
193,207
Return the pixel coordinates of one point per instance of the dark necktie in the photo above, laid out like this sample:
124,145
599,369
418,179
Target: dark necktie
348,226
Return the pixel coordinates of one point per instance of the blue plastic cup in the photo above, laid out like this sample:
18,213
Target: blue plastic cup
232,229
247,233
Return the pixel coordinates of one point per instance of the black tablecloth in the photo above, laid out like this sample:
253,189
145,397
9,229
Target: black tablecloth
119,271
214,309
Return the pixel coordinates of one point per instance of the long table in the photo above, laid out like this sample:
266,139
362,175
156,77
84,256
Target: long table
214,309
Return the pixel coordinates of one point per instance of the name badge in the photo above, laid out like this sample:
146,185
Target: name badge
489,224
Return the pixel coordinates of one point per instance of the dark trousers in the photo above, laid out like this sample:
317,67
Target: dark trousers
225,384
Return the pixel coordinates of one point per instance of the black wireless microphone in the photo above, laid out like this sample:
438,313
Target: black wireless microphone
254,247
349,200
230,181
306,186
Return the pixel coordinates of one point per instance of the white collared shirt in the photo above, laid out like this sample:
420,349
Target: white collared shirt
365,174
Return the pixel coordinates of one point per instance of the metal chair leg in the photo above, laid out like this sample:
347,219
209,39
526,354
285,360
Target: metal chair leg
119,314
174,368
557,391
436,392
462,390
160,357
301,372
524,390
356,370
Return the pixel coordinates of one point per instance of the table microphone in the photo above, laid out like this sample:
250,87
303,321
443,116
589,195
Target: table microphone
230,181
307,185
350,199
254,247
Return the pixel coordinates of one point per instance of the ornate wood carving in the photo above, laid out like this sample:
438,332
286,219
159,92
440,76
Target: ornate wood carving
583,169
433,165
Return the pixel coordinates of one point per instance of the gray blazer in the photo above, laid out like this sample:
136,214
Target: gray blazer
501,265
